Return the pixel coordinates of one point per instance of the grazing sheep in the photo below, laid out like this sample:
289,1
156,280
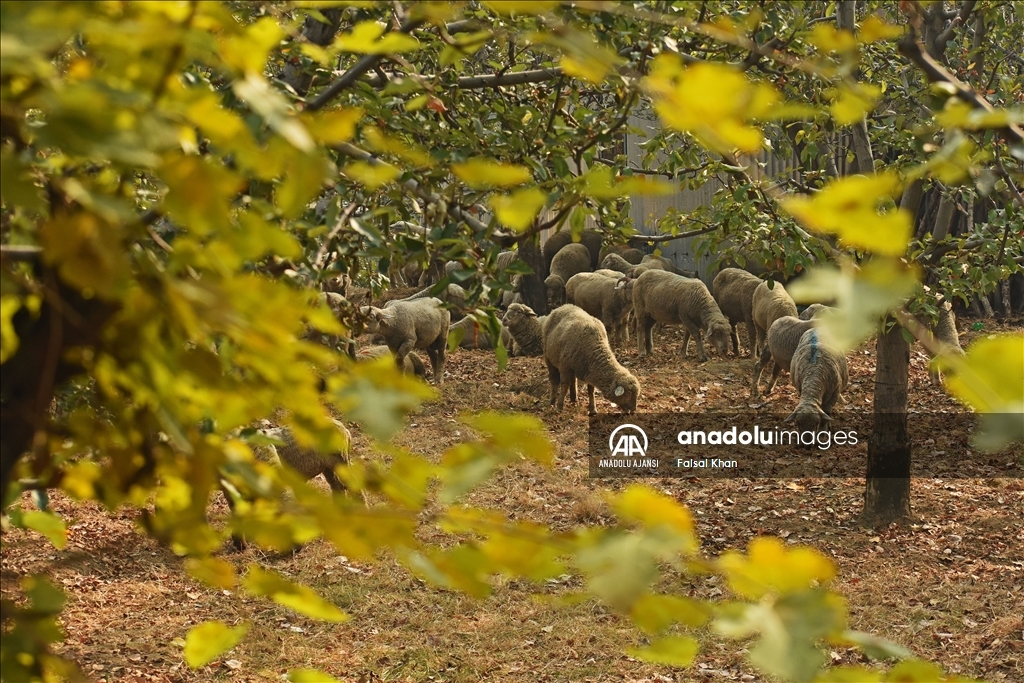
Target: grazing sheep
473,337
526,330
576,347
781,342
609,299
660,296
408,325
945,333
617,263
820,375
769,305
572,259
591,239
453,295
814,310
733,289
630,254
413,363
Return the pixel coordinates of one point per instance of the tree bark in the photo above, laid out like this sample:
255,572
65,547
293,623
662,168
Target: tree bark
317,33
532,288
887,490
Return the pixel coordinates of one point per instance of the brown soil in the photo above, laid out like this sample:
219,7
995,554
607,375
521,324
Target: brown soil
948,586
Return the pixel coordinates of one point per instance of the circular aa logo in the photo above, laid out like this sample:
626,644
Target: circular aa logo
628,444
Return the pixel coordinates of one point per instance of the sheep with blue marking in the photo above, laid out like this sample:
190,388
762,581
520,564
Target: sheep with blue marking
820,374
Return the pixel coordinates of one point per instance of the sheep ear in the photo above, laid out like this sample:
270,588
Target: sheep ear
619,390
790,418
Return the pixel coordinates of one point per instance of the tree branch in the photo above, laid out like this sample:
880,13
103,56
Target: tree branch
365,63
476,82
646,239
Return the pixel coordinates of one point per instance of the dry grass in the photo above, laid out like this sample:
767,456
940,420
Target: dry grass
948,586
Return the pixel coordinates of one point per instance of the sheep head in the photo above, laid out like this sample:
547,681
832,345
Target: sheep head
625,393
718,335
376,318
556,290
808,417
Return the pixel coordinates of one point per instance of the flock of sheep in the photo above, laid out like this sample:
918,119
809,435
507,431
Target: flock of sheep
597,294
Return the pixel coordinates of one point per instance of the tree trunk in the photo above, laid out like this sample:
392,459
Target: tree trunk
535,294
887,490
317,33
863,161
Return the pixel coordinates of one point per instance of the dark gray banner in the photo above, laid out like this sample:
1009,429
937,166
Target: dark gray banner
762,446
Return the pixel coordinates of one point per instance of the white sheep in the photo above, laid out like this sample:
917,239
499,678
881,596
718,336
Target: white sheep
629,254
408,325
781,342
769,304
453,295
814,310
413,364
526,329
607,298
820,375
733,289
617,263
576,348
660,296
571,259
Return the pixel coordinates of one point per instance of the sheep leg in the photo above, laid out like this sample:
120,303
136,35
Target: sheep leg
701,355
759,340
776,370
401,352
686,342
751,333
735,339
572,389
766,357
337,486
554,380
644,334
593,406
563,387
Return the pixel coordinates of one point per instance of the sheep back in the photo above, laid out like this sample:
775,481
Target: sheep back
820,375
733,289
591,239
570,260
781,342
609,299
768,306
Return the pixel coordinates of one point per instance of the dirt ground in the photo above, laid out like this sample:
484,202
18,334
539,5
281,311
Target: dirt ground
949,586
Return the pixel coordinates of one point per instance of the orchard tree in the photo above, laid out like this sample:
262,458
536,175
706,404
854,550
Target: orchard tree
174,174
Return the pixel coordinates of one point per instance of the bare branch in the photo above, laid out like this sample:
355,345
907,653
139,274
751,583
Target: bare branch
378,80
18,252
646,239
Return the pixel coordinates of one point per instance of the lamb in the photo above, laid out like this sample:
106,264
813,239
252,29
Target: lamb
780,344
814,310
572,259
526,330
413,364
576,347
945,333
733,289
591,239
660,296
769,305
609,299
630,254
408,325
820,375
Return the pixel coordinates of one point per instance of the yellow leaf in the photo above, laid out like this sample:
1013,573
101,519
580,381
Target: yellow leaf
275,110
770,567
518,209
247,52
368,37
520,6
671,650
588,70
48,524
378,141
874,28
681,100
372,174
212,571
86,250
309,676
827,38
654,613
199,192
853,102
481,174
209,640
334,126
990,378
653,509
848,207
299,598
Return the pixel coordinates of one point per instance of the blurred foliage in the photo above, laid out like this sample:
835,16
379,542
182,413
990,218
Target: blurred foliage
187,195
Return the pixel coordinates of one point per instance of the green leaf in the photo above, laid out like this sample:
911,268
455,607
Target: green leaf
209,640
48,524
481,174
299,598
373,175
875,647
272,106
671,650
